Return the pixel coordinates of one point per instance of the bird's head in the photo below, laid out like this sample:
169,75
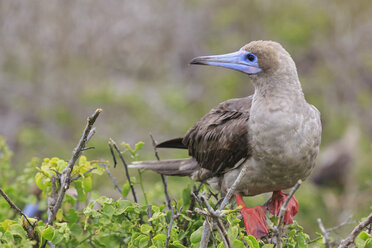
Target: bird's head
257,58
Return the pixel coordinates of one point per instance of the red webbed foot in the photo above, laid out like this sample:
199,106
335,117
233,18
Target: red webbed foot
276,202
254,218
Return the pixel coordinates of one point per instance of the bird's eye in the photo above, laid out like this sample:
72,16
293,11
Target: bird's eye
251,57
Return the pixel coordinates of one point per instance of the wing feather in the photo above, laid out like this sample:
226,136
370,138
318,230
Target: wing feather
220,138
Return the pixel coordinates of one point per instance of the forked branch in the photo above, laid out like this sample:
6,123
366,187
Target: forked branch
55,201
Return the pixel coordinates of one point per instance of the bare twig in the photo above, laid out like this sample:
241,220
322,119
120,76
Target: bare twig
205,235
164,179
284,206
112,154
86,173
11,203
351,237
111,177
327,241
112,142
233,187
88,148
149,214
282,211
216,217
346,222
226,200
169,228
26,222
65,179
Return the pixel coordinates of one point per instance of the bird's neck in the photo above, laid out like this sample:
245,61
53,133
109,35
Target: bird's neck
288,88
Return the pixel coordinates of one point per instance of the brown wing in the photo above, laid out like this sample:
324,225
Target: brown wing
220,138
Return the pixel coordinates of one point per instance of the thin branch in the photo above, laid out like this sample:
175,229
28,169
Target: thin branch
164,179
351,237
112,142
66,173
11,203
149,214
282,211
112,178
233,187
88,148
346,222
226,200
205,235
112,154
26,222
284,206
169,228
327,241
86,173
220,227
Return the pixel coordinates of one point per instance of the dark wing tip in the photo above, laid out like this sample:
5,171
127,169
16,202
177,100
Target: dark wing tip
172,143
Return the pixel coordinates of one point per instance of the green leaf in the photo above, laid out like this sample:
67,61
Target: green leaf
79,188
145,228
156,216
196,236
186,197
70,199
108,210
17,230
301,241
8,237
48,233
368,243
362,239
126,188
176,244
138,146
159,240
87,183
39,181
76,229
238,244
59,215
267,246
122,206
233,232
72,216
254,241
57,238
133,180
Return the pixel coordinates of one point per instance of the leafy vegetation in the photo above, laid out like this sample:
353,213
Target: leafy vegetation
88,219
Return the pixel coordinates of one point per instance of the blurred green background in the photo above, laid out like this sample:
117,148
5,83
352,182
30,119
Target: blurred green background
60,60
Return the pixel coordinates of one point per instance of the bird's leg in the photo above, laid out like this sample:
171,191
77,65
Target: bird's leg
254,218
276,203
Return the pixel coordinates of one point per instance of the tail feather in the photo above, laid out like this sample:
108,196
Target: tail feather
174,167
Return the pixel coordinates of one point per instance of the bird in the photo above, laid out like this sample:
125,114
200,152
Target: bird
275,132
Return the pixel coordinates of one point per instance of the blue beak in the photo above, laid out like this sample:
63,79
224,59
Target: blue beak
237,61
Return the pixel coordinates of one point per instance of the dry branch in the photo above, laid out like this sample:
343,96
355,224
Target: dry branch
350,239
55,201
112,177
226,200
164,179
282,211
149,214
327,241
169,228
26,223
113,143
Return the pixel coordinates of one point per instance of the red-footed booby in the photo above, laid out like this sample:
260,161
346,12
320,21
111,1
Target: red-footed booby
274,132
